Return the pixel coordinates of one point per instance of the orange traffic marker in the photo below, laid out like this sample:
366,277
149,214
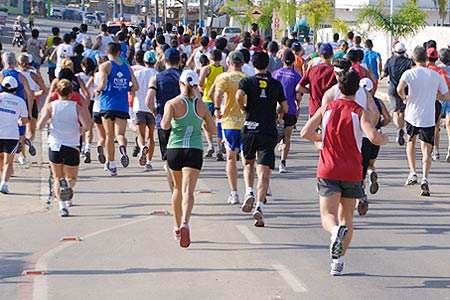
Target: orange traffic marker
71,239
160,212
33,272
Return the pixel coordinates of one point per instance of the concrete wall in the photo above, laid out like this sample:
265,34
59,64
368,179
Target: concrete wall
381,40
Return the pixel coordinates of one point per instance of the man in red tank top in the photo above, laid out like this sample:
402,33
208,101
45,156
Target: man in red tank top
339,171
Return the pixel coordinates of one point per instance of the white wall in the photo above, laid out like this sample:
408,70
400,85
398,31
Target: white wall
381,40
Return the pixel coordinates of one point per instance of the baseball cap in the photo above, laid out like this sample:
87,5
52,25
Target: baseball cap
150,57
236,57
10,83
399,48
432,53
326,49
189,77
366,83
172,54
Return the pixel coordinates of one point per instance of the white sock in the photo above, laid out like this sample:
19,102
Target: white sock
112,164
334,230
234,193
249,190
62,204
259,204
87,147
149,162
338,260
412,173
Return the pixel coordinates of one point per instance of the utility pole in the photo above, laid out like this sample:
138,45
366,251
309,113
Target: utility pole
202,14
114,16
165,12
185,12
121,8
156,11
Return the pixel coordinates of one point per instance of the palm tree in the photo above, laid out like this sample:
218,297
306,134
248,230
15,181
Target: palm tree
403,23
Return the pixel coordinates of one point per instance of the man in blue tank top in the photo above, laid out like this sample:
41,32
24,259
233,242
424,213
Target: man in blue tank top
162,88
116,80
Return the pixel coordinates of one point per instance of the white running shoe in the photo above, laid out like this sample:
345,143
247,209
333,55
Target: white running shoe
233,199
259,217
4,189
435,156
336,242
247,206
282,169
148,167
336,268
23,161
412,179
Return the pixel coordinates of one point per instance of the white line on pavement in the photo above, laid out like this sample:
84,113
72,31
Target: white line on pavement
40,283
295,283
249,235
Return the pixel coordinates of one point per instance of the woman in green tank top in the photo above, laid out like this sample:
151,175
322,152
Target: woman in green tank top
184,115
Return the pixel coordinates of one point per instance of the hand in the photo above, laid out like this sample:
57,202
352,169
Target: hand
217,114
384,139
98,92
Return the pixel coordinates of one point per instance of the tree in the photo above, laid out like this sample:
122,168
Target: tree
442,9
405,22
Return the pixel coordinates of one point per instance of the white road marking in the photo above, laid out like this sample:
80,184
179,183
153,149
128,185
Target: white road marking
295,283
40,283
249,235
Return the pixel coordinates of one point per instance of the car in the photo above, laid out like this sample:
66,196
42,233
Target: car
231,33
72,14
90,19
56,13
101,16
114,28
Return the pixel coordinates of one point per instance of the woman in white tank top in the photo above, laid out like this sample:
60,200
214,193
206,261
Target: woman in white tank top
64,117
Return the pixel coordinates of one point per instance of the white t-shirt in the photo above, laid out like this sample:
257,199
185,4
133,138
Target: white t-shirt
12,108
309,49
62,51
423,85
248,70
143,76
82,38
105,41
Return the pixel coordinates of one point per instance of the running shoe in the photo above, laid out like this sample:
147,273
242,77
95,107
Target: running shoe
336,268
4,189
220,157
136,151
282,169
425,188
363,206
143,156
87,157
435,156
23,161
447,158
148,167
259,217
31,148
233,199
412,180
209,153
401,137
112,170
336,245
64,212
101,155
65,191
185,236
176,233
373,182
248,203
69,203
124,159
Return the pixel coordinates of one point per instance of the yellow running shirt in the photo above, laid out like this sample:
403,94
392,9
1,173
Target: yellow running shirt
214,71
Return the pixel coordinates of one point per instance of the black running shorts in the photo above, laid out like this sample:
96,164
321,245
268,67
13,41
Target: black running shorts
112,115
145,118
426,134
180,158
97,118
289,120
67,156
397,104
261,146
347,189
9,146
35,110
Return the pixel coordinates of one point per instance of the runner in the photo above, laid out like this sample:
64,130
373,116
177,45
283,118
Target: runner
62,51
420,113
318,79
208,75
394,68
13,111
258,96
194,61
373,61
35,47
116,80
227,110
145,120
184,115
289,78
339,170
163,87
444,57
64,140
104,38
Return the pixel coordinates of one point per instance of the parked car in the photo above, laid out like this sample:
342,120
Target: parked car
72,14
231,33
101,16
91,19
56,13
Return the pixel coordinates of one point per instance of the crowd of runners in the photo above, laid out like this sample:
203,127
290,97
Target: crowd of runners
245,102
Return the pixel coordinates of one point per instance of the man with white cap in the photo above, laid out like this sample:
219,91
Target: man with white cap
13,111
394,68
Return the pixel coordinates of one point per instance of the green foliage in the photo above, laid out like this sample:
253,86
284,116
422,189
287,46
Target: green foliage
405,22
317,12
442,8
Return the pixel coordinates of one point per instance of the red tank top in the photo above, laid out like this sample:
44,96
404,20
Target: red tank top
340,157
362,72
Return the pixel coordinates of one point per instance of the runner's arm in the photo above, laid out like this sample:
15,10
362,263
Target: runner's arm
302,89
218,96
309,131
328,96
191,62
135,84
380,64
151,95
204,72
241,98
46,114
209,121
103,72
371,132
28,93
84,118
385,113
40,81
401,90
372,108
168,116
